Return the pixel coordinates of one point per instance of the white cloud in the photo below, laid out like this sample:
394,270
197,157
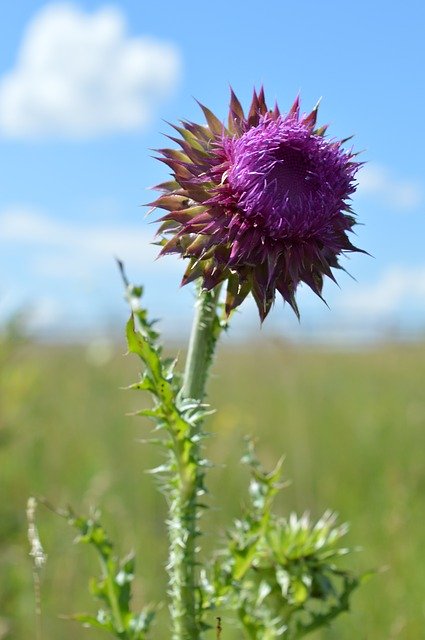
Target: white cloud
398,193
80,74
397,286
64,248
62,274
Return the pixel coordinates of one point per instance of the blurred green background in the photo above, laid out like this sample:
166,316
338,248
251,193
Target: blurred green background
351,424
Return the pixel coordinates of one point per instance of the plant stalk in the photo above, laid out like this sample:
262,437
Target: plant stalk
202,342
184,506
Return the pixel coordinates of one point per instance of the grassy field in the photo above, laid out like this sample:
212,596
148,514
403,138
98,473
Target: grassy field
352,426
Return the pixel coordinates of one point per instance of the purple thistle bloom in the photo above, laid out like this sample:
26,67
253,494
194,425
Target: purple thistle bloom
262,204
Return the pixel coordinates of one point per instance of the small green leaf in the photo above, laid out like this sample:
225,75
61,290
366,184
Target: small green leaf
90,621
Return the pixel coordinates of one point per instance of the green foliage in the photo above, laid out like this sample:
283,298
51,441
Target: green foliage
358,415
181,477
113,588
279,574
18,385
16,379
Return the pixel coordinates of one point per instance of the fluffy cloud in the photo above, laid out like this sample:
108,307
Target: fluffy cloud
398,286
401,194
60,244
80,74
62,274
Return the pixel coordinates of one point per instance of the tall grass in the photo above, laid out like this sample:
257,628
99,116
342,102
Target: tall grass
352,426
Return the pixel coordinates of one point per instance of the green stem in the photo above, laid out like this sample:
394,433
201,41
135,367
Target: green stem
184,507
203,338
113,601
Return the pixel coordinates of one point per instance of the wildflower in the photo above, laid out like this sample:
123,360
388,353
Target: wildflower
262,203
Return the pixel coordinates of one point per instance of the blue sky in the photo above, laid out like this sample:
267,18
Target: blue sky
85,89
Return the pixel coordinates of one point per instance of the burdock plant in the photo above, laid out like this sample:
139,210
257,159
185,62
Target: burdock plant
256,206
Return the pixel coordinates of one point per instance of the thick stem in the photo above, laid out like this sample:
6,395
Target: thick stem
203,338
184,508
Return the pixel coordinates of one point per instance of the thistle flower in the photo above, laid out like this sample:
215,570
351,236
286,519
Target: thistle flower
262,203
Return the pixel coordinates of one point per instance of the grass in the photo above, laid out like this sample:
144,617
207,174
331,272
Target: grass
350,423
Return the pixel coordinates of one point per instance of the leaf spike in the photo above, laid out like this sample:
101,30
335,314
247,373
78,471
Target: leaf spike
235,105
261,96
295,109
213,122
310,120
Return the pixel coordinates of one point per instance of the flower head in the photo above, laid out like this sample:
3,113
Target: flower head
262,203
